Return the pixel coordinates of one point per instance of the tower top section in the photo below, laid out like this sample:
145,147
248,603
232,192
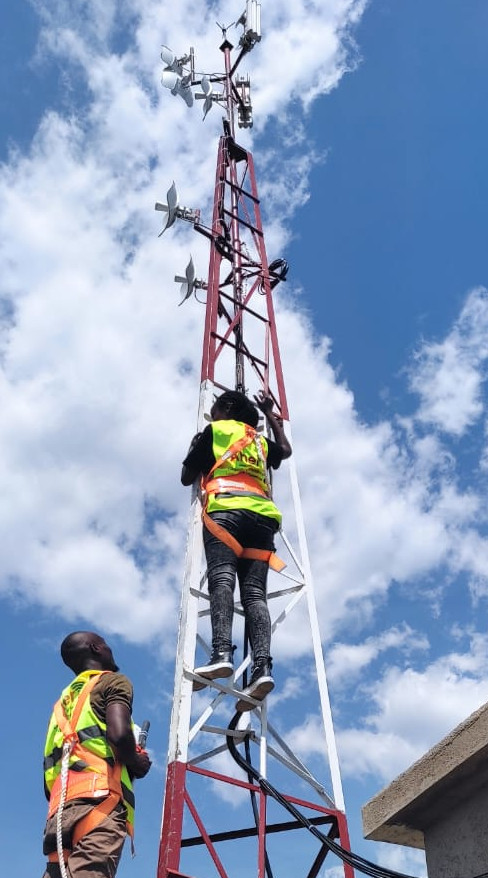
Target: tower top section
230,90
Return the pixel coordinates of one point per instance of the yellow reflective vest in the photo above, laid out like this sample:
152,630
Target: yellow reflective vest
93,770
239,479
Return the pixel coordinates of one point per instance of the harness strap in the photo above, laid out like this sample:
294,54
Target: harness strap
222,534
96,816
54,858
68,726
93,819
84,780
235,484
234,449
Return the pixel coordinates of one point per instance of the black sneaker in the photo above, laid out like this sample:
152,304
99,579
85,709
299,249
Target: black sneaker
221,664
260,685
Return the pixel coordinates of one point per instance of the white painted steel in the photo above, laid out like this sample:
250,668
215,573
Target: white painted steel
185,652
338,794
263,742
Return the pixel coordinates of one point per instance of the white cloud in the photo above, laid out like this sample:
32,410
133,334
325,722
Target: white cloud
100,368
401,859
413,710
448,375
347,661
311,49
97,359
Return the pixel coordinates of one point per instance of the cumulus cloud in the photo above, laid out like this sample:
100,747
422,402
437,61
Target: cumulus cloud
413,709
400,859
398,714
100,368
96,359
347,661
448,375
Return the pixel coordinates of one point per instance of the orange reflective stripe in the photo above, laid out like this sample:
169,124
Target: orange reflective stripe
257,554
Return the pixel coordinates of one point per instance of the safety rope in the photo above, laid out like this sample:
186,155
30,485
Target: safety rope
67,748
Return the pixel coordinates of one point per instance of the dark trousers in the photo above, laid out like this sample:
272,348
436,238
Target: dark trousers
252,531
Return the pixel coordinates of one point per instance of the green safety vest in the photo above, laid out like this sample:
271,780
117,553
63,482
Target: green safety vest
239,481
85,780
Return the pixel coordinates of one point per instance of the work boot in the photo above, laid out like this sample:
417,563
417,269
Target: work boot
221,664
260,685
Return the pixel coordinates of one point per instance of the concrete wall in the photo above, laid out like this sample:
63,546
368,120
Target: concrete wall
457,845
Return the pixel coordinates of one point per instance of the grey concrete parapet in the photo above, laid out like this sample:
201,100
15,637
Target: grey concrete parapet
443,784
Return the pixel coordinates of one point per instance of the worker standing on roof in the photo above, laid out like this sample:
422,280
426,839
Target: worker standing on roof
240,520
90,760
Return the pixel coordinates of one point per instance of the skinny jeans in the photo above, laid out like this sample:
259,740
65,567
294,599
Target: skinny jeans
252,531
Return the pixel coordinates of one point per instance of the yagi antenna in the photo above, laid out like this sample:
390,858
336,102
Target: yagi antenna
207,89
174,211
189,283
170,207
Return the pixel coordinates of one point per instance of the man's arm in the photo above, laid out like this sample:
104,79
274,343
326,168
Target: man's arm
265,403
121,739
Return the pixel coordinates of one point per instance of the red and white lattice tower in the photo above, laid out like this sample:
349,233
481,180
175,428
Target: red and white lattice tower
202,833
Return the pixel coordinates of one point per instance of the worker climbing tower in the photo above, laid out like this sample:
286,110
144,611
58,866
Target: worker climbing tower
222,814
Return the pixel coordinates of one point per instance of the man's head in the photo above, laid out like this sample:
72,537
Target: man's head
233,405
87,651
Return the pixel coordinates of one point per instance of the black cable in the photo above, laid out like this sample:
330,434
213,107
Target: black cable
354,860
254,804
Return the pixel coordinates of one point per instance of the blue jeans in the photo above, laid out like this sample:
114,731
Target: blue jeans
253,531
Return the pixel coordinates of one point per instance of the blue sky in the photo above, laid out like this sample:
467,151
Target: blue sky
370,143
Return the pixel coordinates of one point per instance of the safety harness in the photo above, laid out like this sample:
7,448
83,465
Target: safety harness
242,484
96,779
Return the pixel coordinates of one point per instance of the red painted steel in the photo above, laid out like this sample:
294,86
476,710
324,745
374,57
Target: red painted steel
177,796
170,845
345,843
208,842
237,211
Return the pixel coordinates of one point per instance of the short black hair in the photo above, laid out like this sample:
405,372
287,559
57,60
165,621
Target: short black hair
75,649
238,407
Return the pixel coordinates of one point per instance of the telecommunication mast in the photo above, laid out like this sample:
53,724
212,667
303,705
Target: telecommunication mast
205,793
